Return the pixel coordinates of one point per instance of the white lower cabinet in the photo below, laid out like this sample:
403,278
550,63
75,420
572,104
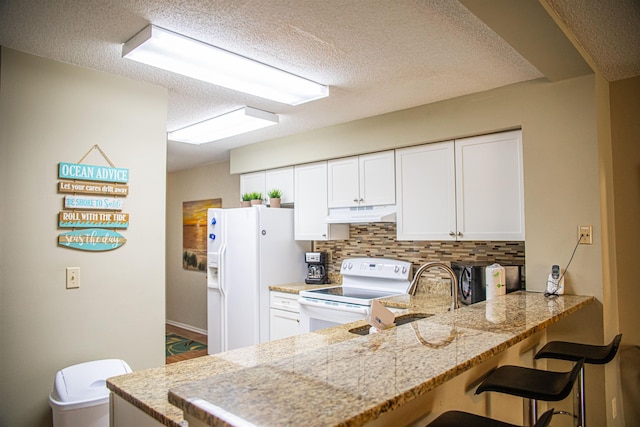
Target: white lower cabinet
284,315
467,189
124,414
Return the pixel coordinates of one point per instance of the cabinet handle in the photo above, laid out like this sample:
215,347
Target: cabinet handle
459,234
361,200
355,200
452,234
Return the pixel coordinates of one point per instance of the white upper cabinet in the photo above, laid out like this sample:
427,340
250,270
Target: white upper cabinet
265,181
310,193
343,182
252,183
470,189
280,179
490,187
425,188
365,180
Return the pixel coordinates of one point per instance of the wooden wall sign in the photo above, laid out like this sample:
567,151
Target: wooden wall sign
92,173
91,239
100,219
91,202
93,188
94,217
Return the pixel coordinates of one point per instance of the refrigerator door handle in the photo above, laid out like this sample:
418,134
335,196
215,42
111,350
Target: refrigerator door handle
223,298
221,269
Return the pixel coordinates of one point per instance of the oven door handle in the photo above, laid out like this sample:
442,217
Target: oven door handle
342,307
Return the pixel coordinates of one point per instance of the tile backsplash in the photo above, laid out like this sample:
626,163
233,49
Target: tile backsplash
378,240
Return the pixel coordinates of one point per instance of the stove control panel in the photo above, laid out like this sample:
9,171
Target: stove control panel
383,268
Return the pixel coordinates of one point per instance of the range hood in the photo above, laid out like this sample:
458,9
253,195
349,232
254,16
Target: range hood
362,214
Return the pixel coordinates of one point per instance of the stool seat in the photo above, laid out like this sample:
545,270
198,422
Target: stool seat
593,354
531,383
458,418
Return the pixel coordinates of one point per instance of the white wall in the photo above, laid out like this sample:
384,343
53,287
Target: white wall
187,289
50,113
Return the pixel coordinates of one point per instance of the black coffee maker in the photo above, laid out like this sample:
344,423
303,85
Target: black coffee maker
316,268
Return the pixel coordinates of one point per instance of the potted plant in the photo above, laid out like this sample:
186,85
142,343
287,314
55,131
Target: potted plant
274,198
246,200
256,198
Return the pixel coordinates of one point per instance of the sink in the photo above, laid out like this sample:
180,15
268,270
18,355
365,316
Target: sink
400,320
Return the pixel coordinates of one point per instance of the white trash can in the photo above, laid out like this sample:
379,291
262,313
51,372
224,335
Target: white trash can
80,397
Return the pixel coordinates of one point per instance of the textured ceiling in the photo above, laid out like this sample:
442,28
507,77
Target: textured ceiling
377,56
607,30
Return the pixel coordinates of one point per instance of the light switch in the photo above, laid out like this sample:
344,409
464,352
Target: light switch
73,277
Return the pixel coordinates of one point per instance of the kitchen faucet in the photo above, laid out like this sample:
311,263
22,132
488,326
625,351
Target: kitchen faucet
454,281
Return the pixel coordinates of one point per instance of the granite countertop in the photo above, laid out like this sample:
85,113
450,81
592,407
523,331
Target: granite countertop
333,368
295,288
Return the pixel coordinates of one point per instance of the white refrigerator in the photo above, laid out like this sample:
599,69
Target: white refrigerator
248,250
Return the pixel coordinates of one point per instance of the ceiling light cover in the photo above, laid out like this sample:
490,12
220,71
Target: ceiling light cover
183,55
229,124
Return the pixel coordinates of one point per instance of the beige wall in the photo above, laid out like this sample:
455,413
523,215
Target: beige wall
561,174
624,211
581,162
625,128
50,113
558,121
187,289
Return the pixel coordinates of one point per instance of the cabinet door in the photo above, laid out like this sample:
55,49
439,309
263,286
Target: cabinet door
425,191
283,324
281,179
377,179
253,182
310,213
124,414
343,182
490,197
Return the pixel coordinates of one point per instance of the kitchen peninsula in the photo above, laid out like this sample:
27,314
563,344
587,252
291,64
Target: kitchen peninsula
334,377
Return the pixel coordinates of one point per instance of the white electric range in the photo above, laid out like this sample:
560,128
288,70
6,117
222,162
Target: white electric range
363,280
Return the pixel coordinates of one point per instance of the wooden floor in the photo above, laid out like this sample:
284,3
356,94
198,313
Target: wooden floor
187,334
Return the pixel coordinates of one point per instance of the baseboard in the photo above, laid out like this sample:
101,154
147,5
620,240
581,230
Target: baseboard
187,327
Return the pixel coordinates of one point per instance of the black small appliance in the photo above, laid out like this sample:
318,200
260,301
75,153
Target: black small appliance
316,268
471,280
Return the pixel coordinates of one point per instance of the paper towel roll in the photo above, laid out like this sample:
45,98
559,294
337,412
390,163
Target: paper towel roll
495,280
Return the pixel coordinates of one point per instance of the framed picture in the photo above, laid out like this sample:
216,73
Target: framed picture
194,233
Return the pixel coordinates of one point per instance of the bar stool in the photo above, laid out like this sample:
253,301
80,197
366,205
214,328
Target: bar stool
532,384
458,418
593,354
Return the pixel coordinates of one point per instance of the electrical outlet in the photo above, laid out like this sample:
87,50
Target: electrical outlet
73,277
585,234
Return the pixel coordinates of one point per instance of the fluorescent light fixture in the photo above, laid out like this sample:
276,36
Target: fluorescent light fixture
183,55
229,124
